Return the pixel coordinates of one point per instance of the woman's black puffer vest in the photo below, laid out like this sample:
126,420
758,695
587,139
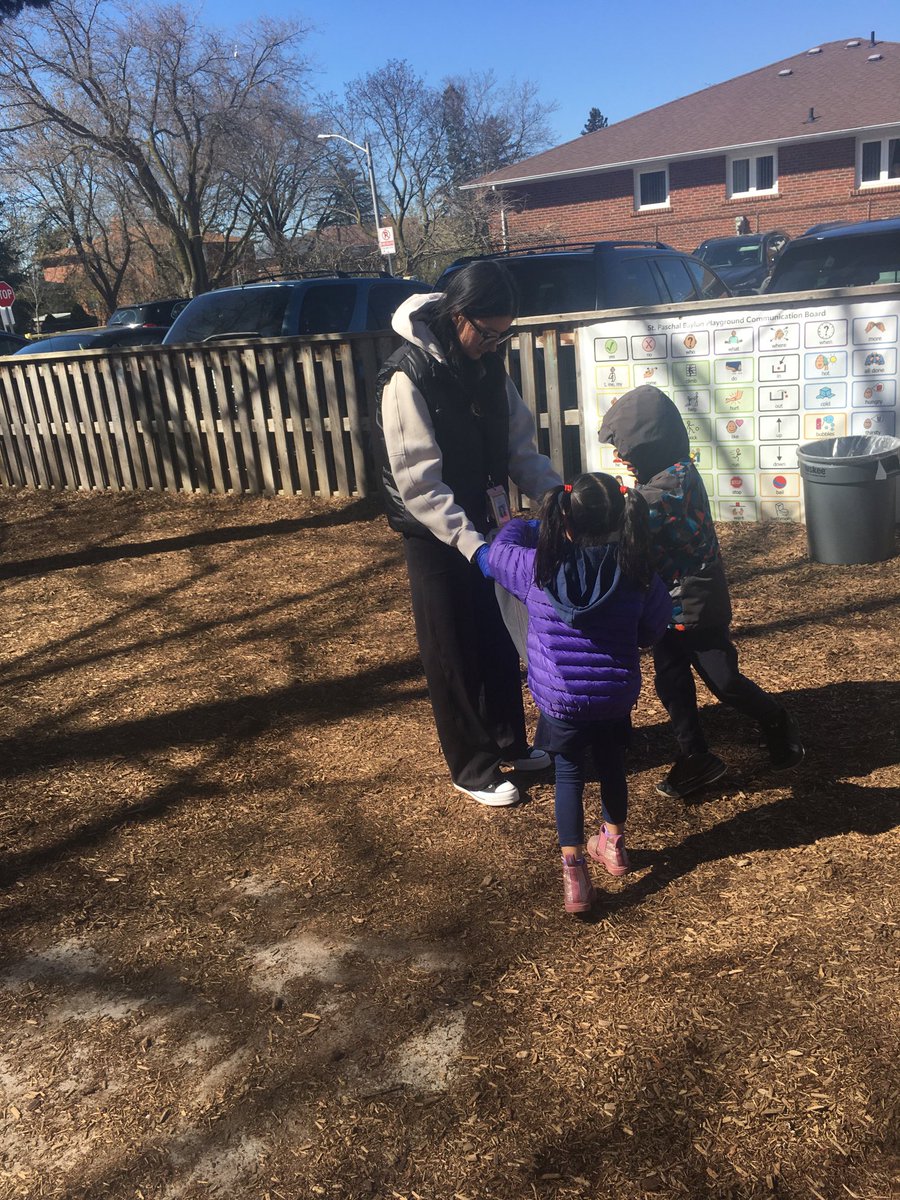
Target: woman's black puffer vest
471,429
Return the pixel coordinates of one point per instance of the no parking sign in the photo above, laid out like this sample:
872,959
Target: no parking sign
386,239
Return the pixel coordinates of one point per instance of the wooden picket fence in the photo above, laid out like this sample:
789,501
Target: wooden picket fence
263,417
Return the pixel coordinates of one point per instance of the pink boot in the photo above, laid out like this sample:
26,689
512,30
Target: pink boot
578,891
609,850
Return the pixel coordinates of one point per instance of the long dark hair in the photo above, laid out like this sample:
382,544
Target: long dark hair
479,289
594,510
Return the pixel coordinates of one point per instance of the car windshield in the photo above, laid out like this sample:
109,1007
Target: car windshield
839,262
732,252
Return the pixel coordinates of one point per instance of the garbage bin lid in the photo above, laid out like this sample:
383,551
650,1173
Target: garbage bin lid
863,445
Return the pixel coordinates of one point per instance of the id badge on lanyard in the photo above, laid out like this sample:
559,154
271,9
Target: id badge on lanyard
498,506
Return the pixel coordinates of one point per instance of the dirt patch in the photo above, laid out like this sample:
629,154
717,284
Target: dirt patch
256,947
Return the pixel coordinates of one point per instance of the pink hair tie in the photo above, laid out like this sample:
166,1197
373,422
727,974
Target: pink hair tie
567,487
623,489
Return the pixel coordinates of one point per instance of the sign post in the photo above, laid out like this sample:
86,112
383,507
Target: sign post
7,297
386,240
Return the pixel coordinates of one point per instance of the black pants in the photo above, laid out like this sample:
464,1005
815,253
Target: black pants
712,654
471,664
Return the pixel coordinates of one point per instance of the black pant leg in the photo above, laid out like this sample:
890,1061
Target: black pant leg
716,660
675,687
471,665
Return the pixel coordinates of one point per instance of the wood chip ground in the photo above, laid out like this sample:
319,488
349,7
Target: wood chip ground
255,947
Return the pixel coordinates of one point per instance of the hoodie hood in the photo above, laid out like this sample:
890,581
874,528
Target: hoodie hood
410,321
647,431
585,580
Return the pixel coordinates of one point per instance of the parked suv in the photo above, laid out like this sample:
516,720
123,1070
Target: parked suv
593,276
151,312
843,256
744,263
286,308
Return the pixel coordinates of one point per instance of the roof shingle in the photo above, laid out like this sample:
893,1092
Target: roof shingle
847,90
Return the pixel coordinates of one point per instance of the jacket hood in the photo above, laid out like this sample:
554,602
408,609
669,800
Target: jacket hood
647,431
409,320
585,580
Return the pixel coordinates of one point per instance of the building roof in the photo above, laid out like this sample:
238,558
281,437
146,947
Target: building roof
845,85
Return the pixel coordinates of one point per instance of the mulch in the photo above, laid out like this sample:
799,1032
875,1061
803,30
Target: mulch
256,947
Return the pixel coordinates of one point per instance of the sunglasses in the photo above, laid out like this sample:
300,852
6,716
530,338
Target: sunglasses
488,335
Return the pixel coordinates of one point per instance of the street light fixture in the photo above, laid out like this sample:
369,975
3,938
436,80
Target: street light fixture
364,149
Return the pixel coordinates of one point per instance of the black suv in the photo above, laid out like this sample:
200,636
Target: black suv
842,256
291,307
594,276
151,312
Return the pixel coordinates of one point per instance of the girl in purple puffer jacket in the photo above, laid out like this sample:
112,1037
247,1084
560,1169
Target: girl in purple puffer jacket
584,574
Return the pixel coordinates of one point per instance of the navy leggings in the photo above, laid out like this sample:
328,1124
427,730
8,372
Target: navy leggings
608,740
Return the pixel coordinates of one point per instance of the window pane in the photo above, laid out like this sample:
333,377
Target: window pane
554,287
871,161
740,175
678,282
894,158
653,188
708,285
631,284
328,308
765,173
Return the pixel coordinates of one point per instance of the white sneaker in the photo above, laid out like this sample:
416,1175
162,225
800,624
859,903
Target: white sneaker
534,760
495,795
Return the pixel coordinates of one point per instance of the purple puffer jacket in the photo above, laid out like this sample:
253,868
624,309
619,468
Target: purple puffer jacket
584,629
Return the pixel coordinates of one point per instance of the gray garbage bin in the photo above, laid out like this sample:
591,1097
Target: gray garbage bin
850,494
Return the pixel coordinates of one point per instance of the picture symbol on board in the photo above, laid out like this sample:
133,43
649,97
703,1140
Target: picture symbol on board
779,367
649,345
690,342
825,331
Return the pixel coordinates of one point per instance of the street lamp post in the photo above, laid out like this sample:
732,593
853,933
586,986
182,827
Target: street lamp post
364,149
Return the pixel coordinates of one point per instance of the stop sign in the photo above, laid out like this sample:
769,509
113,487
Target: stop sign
7,295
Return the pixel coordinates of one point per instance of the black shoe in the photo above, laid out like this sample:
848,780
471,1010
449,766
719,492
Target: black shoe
691,772
782,740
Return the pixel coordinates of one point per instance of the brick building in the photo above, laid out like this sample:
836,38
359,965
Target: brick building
809,139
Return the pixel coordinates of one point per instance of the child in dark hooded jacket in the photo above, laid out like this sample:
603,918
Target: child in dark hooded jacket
649,435
592,601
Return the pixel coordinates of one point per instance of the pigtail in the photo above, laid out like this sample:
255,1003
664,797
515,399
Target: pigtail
635,557
552,535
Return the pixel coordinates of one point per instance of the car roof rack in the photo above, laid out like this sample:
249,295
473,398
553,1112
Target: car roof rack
299,277
539,249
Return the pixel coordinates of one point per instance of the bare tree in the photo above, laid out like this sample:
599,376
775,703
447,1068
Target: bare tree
76,191
165,101
426,141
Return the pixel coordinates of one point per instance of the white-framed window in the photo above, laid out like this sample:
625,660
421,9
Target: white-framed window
651,188
878,160
753,174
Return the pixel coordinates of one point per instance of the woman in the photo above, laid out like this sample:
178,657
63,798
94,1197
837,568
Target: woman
452,428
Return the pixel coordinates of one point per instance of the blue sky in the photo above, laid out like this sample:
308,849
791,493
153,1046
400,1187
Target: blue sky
623,58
